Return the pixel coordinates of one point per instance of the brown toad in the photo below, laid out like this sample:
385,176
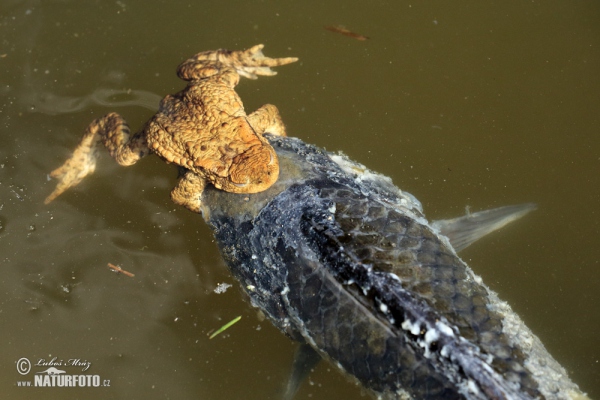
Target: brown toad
203,128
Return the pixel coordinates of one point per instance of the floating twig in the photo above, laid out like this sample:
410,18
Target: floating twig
346,32
226,326
119,270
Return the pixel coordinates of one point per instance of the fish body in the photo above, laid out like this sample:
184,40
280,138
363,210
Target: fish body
340,259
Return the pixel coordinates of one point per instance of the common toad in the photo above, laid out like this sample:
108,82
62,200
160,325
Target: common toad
203,128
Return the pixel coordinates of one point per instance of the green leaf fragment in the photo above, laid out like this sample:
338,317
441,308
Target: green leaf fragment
226,326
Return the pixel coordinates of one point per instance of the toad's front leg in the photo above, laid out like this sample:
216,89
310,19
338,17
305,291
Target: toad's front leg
114,133
188,191
267,120
248,63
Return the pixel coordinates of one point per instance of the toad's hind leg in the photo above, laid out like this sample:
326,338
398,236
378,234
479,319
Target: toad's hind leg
114,133
188,191
267,120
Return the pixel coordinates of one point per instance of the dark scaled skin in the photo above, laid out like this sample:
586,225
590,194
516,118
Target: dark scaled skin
203,128
338,265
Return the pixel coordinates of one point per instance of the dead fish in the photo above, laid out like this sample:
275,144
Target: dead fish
341,260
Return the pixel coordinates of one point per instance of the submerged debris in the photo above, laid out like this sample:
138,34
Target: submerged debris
346,32
226,326
118,270
222,288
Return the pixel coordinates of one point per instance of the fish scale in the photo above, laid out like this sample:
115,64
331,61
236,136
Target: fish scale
426,268
430,271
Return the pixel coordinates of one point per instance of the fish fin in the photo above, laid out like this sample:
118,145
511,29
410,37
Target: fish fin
305,359
463,231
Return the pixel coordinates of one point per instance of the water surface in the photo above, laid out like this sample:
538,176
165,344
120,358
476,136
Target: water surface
480,104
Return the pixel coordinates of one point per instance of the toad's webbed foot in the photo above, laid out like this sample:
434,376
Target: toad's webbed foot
247,63
113,131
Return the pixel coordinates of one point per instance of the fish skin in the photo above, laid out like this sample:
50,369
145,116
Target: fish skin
336,256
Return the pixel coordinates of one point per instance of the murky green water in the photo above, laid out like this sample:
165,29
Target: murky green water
481,104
